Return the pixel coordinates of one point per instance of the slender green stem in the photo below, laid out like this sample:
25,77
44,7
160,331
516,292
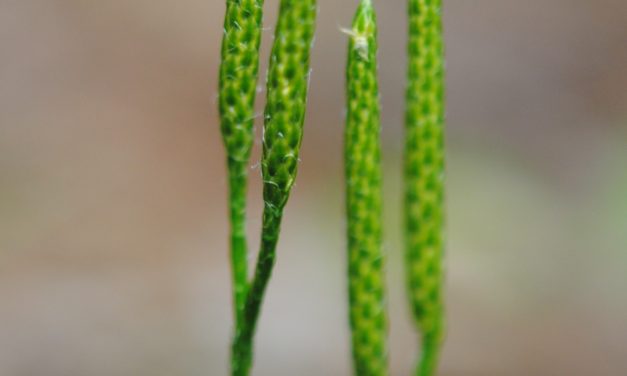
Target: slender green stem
429,357
424,177
243,343
288,79
363,198
238,81
239,251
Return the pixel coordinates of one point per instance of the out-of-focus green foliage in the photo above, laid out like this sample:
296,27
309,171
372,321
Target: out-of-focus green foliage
424,176
362,154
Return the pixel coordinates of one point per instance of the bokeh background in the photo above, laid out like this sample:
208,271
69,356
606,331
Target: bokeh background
113,253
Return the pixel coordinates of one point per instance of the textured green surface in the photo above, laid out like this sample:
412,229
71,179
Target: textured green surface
363,198
238,81
424,177
287,86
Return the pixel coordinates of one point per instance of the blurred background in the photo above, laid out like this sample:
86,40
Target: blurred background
113,252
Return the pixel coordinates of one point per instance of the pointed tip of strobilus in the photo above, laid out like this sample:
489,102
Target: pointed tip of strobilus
365,10
365,5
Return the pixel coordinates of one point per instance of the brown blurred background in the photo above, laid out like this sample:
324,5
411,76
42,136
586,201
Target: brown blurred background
113,254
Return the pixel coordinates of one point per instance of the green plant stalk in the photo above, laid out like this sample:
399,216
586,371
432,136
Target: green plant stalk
238,82
362,160
424,177
288,80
